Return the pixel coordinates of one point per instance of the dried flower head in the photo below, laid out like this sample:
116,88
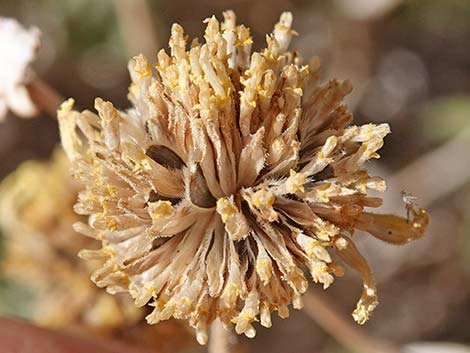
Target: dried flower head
234,175
18,47
36,217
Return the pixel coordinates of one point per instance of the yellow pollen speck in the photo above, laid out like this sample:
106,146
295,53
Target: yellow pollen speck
322,192
145,164
109,251
369,131
160,209
225,208
142,67
112,190
322,234
341,243
370,292
262,197
230,293
264,269
247,315
151,289
361,186
66,106
183,303
246,41
295,90
295,182
112,223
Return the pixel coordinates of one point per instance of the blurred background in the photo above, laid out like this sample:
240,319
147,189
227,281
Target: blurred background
409,62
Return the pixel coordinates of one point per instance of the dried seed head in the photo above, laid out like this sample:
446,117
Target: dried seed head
36,218
225,182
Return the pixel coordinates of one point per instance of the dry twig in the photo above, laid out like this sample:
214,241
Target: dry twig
340,327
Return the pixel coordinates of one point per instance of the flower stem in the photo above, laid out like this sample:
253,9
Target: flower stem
220,339
139,36
46,98
341,328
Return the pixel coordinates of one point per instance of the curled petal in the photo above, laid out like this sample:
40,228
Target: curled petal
348,252
393,229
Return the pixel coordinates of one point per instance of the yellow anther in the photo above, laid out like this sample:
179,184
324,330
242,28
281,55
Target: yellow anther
341,243
107,250
145,164
230,294
151,289
160,209
225,208
322,192
243,42
295,182
142,67
305,69
262,197
264,269
295,90
247,315
112,223
112,190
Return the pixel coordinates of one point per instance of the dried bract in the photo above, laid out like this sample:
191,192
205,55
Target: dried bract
234,175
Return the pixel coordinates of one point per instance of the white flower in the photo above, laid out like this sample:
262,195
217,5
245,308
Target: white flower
18,47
